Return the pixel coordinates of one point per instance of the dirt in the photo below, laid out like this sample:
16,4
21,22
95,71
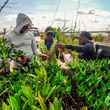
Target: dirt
73,101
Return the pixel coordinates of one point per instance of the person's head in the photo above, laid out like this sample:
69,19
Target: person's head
23,23
49,36
49,33
49,28
84,37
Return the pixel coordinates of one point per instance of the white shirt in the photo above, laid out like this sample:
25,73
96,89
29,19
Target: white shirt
21,41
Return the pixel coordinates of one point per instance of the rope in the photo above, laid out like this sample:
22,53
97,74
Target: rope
56,11
76,16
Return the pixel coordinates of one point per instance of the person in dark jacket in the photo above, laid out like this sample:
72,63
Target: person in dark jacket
85,48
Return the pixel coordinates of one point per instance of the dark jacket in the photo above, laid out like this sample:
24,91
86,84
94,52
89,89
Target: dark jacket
86,51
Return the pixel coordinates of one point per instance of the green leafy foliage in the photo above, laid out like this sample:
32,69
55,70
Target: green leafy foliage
39,86
32,87
93,78
13,103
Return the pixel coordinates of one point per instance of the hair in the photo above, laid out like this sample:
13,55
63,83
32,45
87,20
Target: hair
49,29
86,34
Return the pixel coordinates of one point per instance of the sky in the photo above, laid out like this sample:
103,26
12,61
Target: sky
90,14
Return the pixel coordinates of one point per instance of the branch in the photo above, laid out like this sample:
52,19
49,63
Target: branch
3,6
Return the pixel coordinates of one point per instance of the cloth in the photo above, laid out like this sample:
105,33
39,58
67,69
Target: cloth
21,42
86,51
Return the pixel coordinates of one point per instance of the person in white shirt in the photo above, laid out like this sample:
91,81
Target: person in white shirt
21,37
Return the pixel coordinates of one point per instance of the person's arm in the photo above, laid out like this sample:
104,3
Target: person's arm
8,38
36,50
78,48
71,47
34,47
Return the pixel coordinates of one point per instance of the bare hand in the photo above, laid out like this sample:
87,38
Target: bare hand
44,56
60,47
23,59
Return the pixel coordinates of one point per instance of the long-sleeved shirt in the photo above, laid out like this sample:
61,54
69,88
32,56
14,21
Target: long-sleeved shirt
86,51
21,41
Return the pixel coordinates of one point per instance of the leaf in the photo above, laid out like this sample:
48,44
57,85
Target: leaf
5,106
13,103
84,108
45,90
51,92
57,104
27,91
35,108
51,106
68,89
107,101
41,102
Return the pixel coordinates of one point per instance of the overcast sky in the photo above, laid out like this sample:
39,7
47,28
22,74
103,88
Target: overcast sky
93,14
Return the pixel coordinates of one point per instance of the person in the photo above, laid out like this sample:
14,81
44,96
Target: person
22,38
85,48
47,46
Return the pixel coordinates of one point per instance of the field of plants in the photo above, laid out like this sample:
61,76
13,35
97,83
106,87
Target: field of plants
36,86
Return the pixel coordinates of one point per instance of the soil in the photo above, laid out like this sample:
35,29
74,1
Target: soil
73,101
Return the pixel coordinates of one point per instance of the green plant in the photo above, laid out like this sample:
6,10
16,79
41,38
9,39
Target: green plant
93,81
40,86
